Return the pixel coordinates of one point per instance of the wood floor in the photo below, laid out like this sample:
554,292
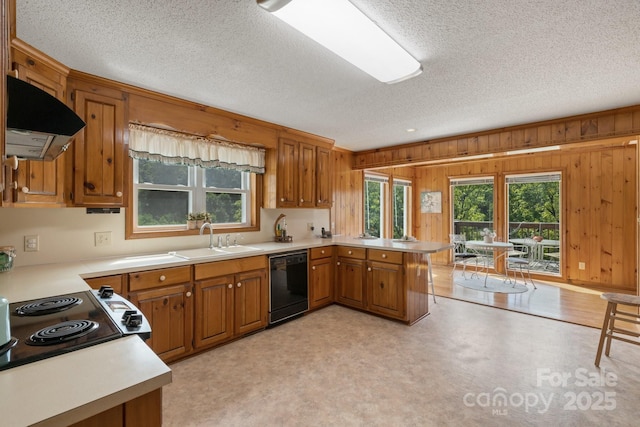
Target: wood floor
552,300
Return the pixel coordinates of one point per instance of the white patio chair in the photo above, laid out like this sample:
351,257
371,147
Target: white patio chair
460,254
522,261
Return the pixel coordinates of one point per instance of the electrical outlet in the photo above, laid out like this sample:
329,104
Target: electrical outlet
102,238
32,243
581,266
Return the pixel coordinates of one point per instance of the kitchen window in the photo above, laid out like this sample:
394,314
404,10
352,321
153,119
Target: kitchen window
387,206
401,208
175,174
164,194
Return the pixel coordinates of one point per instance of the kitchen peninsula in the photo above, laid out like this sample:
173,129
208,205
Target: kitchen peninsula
83,383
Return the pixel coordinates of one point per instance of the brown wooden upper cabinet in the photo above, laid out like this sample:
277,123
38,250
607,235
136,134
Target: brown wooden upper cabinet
99,151
39,183
302,176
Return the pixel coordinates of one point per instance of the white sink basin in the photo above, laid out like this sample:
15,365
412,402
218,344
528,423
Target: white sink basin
209,253
198,253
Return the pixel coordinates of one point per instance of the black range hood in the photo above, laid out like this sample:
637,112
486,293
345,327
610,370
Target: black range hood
39,126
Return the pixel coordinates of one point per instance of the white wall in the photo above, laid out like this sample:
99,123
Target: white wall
68,233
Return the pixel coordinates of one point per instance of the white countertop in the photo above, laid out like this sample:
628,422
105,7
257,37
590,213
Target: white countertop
120,370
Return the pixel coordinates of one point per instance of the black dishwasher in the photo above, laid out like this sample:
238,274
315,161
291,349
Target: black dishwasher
289,288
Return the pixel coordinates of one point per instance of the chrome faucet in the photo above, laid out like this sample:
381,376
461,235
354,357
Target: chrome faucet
227,239
210,227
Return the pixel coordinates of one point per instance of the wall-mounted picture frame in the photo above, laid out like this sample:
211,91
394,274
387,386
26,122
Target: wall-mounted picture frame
431,202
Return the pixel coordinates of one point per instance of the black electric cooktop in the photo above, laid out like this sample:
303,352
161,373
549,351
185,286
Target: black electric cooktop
48,327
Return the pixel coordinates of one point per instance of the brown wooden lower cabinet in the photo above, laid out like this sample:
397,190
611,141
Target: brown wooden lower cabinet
350,277
145,410
321,277
389,283
165,298
231,299
385,283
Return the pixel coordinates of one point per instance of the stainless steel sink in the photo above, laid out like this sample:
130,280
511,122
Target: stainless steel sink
200,253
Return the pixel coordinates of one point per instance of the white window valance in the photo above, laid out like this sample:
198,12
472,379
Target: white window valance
171,147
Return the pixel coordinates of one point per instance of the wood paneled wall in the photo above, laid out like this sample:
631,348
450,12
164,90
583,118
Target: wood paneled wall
346,212
576,129
599,212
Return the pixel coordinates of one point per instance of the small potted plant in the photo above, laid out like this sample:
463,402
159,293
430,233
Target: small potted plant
191,221
200,218
488,235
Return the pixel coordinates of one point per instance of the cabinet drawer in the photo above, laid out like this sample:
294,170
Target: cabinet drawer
222,268
347,252
393,257
116,282
317,253
159,278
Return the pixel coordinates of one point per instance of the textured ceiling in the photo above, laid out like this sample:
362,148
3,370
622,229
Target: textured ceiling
487,64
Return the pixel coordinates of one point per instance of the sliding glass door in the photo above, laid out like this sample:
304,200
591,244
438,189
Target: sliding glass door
533,212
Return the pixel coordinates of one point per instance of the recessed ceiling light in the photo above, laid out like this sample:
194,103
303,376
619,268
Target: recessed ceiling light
411,130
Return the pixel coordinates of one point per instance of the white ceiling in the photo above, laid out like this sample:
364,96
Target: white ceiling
487,64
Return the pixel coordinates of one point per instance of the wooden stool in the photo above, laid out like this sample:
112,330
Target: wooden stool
609,328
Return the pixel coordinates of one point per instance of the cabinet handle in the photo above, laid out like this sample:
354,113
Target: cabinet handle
239,284
322,252
282,199
25,190
338,263
350,253
163,278
381,285
11,162
301,200
384,255
188,294
230,285
368,268
119,194
313,267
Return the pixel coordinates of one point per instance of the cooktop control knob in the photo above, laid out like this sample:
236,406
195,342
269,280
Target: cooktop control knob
133,321
105,291
126,314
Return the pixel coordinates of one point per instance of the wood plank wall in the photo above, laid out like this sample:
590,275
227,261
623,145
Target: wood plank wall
346,211
576,129
599,209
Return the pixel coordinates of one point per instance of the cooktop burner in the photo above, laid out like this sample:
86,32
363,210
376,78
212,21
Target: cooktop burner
63,331
48,306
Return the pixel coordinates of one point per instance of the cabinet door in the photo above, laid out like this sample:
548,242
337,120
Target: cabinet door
321,282
324,190
170,312
213,311
350,282
40,183
287,174
251,301
99,151
307,176
386,289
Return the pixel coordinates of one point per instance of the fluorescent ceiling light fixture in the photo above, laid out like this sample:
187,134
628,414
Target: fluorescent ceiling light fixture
340,27
533,150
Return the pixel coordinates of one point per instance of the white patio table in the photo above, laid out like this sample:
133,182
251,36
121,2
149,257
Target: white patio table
500,249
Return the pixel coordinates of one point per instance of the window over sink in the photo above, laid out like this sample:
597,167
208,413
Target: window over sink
164,195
